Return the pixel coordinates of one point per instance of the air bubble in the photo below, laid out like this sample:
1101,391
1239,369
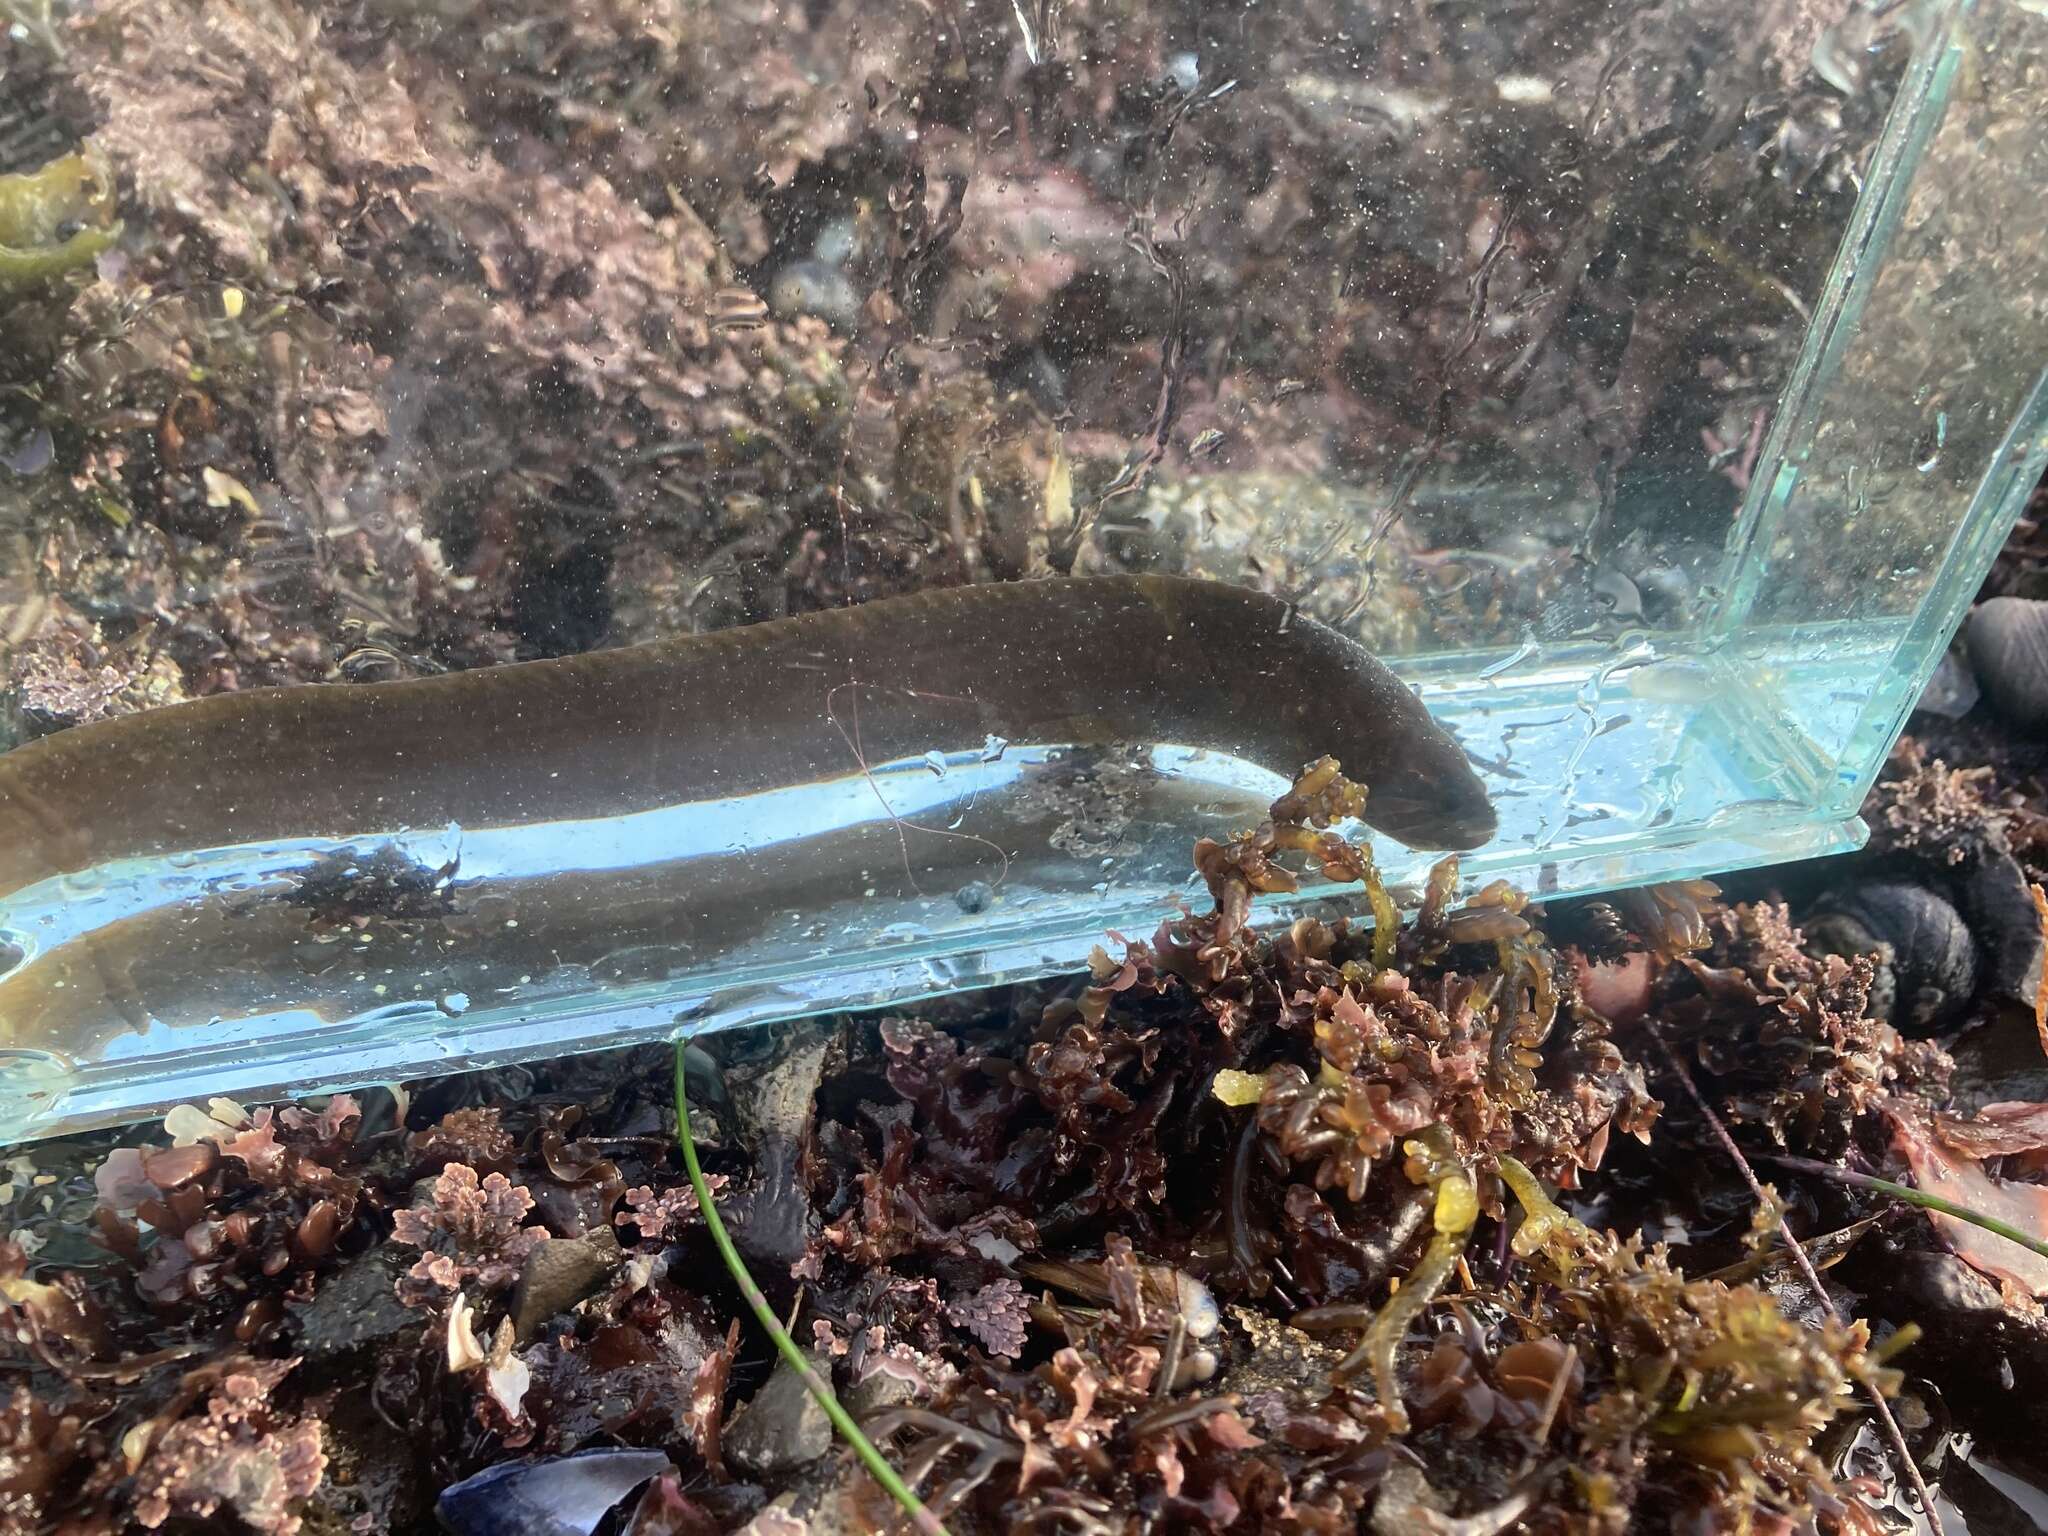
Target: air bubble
1934,438
30,1066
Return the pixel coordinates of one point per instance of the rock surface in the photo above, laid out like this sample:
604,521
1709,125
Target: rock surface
557,1275
781,1429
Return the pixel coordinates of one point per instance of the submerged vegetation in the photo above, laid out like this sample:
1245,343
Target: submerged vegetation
54,221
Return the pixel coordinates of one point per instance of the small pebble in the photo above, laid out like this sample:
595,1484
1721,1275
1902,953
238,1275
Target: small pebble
881,1390
557,1275
356,1308
782,1428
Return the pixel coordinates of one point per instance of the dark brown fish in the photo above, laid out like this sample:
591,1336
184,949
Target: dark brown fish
344,884
1083,660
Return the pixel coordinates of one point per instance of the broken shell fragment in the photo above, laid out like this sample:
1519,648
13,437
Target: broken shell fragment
565,1496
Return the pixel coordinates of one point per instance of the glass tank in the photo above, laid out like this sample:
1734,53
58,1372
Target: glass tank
532,528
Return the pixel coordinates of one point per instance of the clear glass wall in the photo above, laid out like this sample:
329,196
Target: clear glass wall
1648,384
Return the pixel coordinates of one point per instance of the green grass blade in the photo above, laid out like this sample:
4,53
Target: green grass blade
1919,1197
816,1385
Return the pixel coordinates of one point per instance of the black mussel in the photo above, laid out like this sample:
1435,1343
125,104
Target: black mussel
1998,904
562,1496
2008,642
1927,961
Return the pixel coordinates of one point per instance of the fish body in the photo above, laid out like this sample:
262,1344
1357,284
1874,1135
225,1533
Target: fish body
312,884
1074,661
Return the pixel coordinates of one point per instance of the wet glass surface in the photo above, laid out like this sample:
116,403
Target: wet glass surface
1647,384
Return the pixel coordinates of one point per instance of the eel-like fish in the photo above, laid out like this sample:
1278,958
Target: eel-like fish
293,854
1084,661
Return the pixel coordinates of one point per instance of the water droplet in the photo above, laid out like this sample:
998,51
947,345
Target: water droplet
1521,653
936,761
455,1004
21,1065
975,896
993,749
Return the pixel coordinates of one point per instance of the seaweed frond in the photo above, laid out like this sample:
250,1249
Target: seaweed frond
54,220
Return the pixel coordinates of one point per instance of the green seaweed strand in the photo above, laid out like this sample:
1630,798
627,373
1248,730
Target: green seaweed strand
1919,1197
34,208
1545,1223
20,268
842,1421
1457,1211
1386,917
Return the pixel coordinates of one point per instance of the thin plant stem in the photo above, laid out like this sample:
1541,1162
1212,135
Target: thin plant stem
1919,1197
815,1384
1807,1272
